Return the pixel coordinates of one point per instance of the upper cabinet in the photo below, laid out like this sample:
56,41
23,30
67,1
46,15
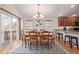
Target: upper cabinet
63,21
68,21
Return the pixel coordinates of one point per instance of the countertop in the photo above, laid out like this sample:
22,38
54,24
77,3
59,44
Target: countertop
73,33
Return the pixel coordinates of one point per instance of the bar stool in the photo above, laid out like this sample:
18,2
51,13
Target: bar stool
69,37
76,40
60,35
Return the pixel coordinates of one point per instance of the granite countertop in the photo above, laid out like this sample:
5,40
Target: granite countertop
73,33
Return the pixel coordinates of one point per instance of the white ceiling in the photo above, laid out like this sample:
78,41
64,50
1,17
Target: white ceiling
48,10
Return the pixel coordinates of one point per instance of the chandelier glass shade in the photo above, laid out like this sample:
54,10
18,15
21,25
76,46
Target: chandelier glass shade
38,16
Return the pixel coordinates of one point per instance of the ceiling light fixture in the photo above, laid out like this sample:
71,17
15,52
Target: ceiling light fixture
72,6
38,16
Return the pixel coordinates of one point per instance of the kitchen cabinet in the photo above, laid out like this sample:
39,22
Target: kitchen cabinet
68,21
62,21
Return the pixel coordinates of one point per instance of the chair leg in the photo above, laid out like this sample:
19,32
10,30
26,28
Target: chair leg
62,37
65,40
30,45
48,45
25,43
77,43
51,42
41,45
71,42
22,40
36,45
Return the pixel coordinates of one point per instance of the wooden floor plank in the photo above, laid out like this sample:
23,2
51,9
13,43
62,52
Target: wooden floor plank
66,46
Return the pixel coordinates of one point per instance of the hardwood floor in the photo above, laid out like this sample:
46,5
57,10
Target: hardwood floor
66,47
6,49
9,47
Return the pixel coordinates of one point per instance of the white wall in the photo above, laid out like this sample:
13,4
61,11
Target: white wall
55,23
48,25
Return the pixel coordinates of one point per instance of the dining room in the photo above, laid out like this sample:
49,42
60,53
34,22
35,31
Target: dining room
39,28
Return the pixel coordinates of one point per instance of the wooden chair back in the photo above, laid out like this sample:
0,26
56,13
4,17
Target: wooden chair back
33,35
45,33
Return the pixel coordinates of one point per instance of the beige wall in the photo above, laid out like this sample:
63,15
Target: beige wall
10,8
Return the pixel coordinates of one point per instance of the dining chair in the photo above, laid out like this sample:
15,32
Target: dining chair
33,39
52,38
44,38
26,38
22,36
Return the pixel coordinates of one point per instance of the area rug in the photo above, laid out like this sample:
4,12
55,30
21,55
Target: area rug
55,49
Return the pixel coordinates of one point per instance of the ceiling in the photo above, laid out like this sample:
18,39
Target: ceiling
27,11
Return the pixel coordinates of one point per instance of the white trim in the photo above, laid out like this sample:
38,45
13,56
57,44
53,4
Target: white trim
10,29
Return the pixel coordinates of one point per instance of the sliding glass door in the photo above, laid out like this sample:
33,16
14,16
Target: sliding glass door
5,29
15,29
9,29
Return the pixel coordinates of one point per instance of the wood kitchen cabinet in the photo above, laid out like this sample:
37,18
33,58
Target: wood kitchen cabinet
60,21
63,21
71,21
68,21
76,18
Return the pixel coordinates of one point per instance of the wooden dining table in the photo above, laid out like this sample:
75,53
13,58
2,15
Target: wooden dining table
38,35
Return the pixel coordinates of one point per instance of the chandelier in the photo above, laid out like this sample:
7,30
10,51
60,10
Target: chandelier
38,17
